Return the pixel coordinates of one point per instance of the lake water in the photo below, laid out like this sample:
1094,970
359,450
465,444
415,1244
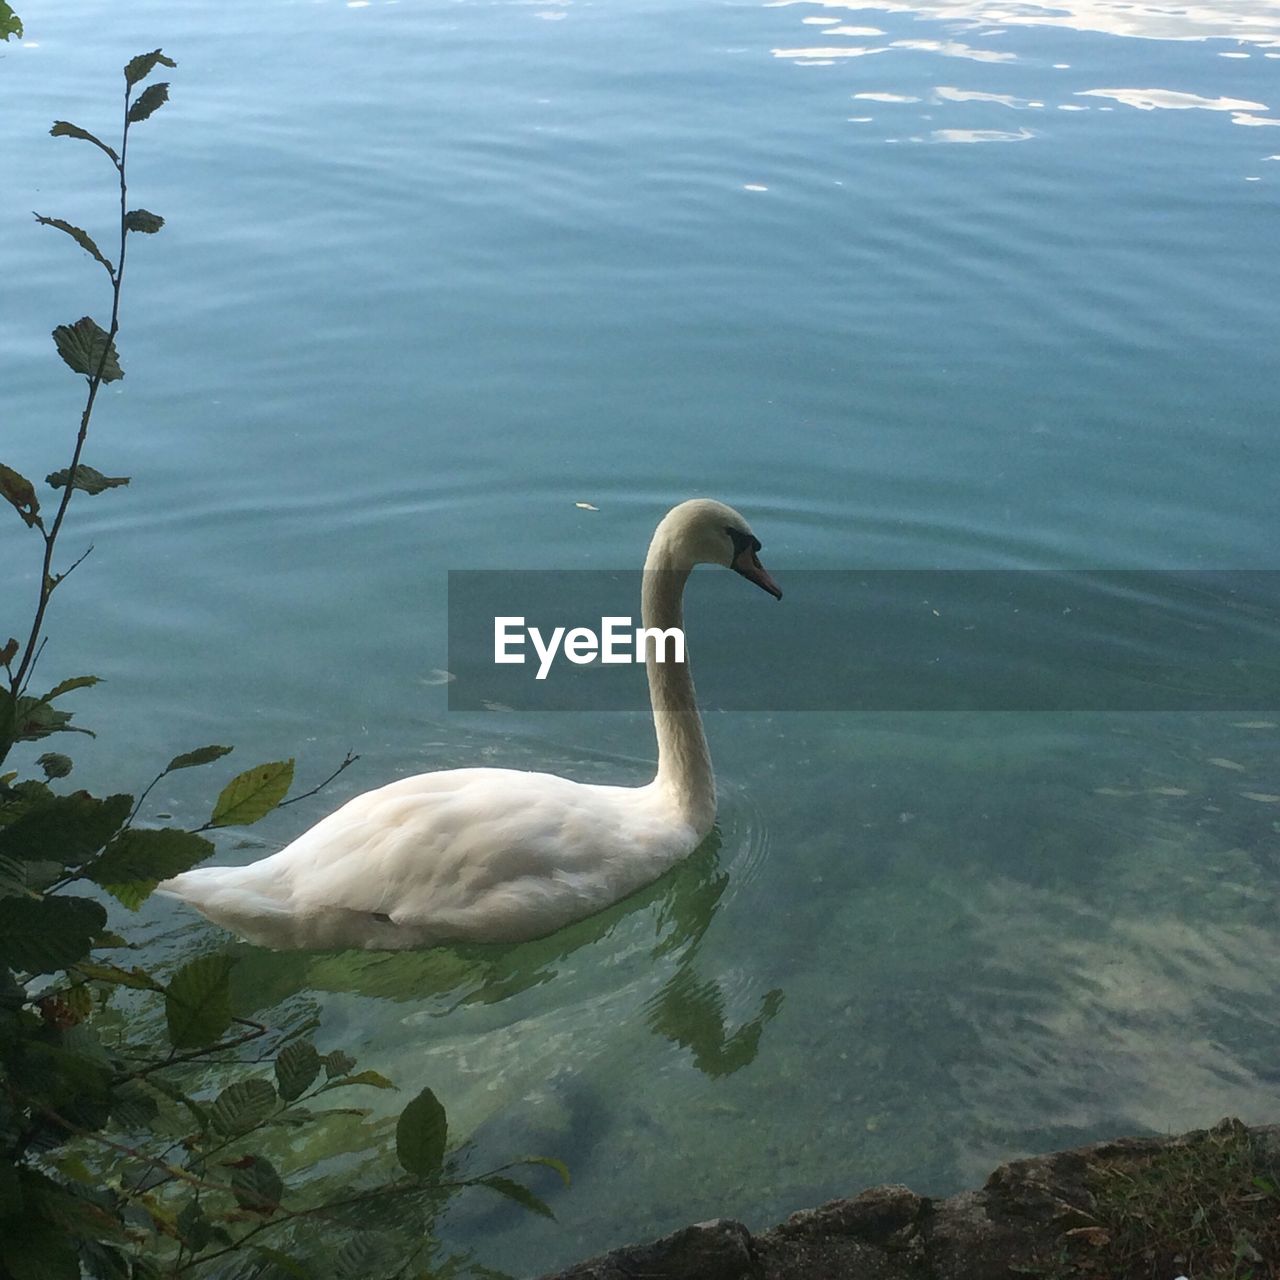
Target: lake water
933,286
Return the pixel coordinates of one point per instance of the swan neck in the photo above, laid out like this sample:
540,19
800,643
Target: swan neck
684,762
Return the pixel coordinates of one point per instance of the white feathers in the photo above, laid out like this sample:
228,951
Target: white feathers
491,855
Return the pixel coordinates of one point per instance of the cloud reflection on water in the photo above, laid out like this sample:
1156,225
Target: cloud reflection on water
1258,23
1171,100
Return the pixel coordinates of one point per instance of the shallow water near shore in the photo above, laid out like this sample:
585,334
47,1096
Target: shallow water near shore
943,287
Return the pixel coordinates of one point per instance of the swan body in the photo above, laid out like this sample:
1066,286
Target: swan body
498,855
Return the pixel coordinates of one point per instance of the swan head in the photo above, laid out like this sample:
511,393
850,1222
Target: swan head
703,531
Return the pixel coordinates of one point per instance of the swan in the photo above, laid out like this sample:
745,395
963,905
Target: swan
499,855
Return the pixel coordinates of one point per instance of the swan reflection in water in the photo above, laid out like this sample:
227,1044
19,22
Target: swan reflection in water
688,1008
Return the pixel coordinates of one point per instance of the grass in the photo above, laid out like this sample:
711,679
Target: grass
1208,1209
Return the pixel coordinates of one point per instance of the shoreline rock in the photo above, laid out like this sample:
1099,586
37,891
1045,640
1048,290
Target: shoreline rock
1041,1215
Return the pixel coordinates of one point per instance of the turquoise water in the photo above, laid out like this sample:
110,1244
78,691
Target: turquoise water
948,286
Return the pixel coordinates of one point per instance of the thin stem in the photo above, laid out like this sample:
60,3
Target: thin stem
146,792
256,1032
350,760
18,682
404,1187
215,826
154,1162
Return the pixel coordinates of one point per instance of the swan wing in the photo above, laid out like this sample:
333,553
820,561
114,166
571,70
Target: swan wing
482,854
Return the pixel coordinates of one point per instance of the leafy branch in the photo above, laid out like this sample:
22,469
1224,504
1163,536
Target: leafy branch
89,350
127,1153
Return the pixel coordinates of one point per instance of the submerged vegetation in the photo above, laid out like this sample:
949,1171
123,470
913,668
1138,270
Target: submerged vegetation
145,1128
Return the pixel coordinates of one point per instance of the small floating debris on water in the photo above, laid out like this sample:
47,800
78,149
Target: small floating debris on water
1220,763
1169,791
585,506
1255,724
1262,797
436,676
754,186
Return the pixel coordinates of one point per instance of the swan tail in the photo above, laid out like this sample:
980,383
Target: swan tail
223,893
243,903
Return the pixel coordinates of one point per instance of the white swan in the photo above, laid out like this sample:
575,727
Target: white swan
499,855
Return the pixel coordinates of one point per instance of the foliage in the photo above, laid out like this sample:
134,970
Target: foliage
10,23
145,1129
1208,1207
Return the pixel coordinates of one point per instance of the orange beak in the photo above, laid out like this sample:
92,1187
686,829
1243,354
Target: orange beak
747,563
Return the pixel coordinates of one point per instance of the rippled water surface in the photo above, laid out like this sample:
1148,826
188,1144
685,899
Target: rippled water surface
951,285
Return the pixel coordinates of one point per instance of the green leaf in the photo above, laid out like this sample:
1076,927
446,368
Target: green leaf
65,828
549,1162
337,1063
297,1066
13,879
66,686
374,1078
80,236
421,1134
88,479
102,1261
275,1265
256,1185
199,1113
73,1213
43,935
40,875
10,23
34,718
143,220
295,1116
65,129
518,1192
86,349
360,1256
201,755
133,1106
243,1106
20,494
252,794
197,1002
193,1226
148,855
144,64
150,99
54,764
138,979
131,893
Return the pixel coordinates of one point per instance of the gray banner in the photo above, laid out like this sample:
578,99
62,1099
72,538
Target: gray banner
887,640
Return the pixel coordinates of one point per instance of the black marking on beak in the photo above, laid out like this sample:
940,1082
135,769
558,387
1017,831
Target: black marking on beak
746,562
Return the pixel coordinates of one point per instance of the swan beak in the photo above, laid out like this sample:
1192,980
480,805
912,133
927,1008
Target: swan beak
747,563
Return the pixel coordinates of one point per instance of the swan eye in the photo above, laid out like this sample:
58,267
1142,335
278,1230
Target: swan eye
742,541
